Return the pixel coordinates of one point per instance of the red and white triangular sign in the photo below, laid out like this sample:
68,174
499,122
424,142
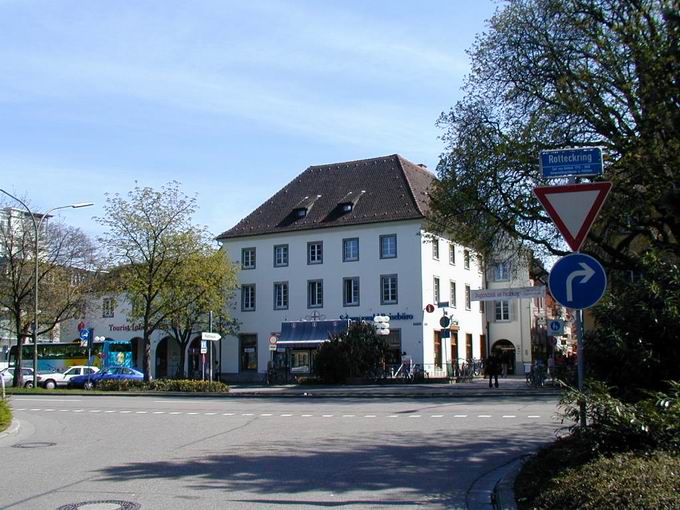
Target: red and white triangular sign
573,208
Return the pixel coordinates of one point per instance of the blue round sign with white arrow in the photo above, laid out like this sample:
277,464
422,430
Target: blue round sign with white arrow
577,281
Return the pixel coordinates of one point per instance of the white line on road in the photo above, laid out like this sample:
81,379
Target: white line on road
192,413
95,411
159,412
110,411
81,410
266,414
124,412
414,416
209,414
460,415
533,416
141,412
509,416
369,416
437,416
393,416
48,410
175,412
483,416
348,415
326,415
246,414
285,415
227,414
302,415
48,399
35,409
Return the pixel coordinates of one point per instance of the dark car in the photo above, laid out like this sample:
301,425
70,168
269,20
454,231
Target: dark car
109,374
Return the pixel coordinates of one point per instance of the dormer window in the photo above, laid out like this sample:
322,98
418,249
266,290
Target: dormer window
300,212
347,208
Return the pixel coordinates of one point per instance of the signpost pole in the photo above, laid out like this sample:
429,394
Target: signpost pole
581,365
210,352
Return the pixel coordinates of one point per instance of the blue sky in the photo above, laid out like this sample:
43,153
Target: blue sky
232,99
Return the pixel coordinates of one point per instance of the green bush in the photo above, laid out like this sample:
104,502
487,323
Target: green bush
5,415
183,385
619,482
614,426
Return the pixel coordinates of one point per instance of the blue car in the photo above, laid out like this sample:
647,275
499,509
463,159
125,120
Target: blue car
113,373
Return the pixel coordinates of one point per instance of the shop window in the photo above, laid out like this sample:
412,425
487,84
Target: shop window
248,354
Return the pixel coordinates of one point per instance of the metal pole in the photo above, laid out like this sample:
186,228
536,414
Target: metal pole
210,350
581,365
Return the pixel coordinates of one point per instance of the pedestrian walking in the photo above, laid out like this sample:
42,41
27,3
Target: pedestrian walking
492,370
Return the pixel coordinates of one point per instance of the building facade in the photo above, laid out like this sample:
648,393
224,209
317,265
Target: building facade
349,241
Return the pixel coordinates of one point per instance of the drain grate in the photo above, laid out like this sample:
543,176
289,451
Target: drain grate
107,504
37,444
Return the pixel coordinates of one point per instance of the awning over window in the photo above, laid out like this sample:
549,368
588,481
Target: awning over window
309,334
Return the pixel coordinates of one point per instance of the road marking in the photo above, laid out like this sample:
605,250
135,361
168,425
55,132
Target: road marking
47,399
302,415
285,415
64,410
533,416
48,410
437,416
227,414
192,413
175,412
110,411
124,412
348,415
81,410
209,414
246,414
326,415
460,415
95,411
35,409
266,414
393,416
483,416
140,412
414,416
159,412
369,416
509,416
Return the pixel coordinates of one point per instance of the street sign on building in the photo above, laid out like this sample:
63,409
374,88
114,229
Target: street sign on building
577,281
573,208
568,162
536,291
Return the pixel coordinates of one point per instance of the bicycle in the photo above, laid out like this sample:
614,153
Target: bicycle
536,377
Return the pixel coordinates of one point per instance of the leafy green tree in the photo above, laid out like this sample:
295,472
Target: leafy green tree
359,352
561,73
205,281
150,238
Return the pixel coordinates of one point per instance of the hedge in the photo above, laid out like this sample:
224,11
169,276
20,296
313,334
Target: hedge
623,481
5,415
183,385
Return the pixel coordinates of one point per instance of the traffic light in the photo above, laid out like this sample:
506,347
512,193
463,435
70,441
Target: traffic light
382,324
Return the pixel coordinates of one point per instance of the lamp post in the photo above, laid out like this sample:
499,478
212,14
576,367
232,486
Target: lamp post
36,228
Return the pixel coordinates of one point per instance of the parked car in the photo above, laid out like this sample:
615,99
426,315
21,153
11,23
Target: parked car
51,380
8,376
113,373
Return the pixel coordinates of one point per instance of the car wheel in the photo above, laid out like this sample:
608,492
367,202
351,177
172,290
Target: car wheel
50,385
28,384
88,385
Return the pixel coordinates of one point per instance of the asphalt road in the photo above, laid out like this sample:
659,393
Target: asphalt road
205,453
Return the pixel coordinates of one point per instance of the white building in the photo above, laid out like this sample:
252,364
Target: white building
348,240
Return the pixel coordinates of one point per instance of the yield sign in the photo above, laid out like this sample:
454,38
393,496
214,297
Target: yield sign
573,208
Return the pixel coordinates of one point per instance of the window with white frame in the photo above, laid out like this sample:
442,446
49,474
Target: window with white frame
388,246
436,290
280,255
350,291
466,259
350,249
108,307
502,310
248,258
468,300
435,249
248,298
452,254
315,252
502,271
452,294
388,289
281,296
314,293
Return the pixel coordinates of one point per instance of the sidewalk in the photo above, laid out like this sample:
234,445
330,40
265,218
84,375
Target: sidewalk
478,388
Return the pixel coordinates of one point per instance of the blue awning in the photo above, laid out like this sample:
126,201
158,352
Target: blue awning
309,334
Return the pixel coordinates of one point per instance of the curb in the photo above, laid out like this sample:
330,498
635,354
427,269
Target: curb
12,429
504,493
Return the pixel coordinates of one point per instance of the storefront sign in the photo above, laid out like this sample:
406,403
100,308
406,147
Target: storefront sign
126,327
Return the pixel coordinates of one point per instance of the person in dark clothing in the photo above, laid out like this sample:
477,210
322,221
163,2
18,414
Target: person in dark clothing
493,368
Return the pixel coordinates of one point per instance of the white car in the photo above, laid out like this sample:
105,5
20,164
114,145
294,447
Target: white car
53,379
8,376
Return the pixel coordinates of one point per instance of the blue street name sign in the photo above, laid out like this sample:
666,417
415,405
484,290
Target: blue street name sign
565,162
577,281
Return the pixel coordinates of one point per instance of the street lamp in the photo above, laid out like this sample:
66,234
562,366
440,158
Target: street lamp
36,228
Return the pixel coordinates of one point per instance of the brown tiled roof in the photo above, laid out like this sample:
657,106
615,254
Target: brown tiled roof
389,188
